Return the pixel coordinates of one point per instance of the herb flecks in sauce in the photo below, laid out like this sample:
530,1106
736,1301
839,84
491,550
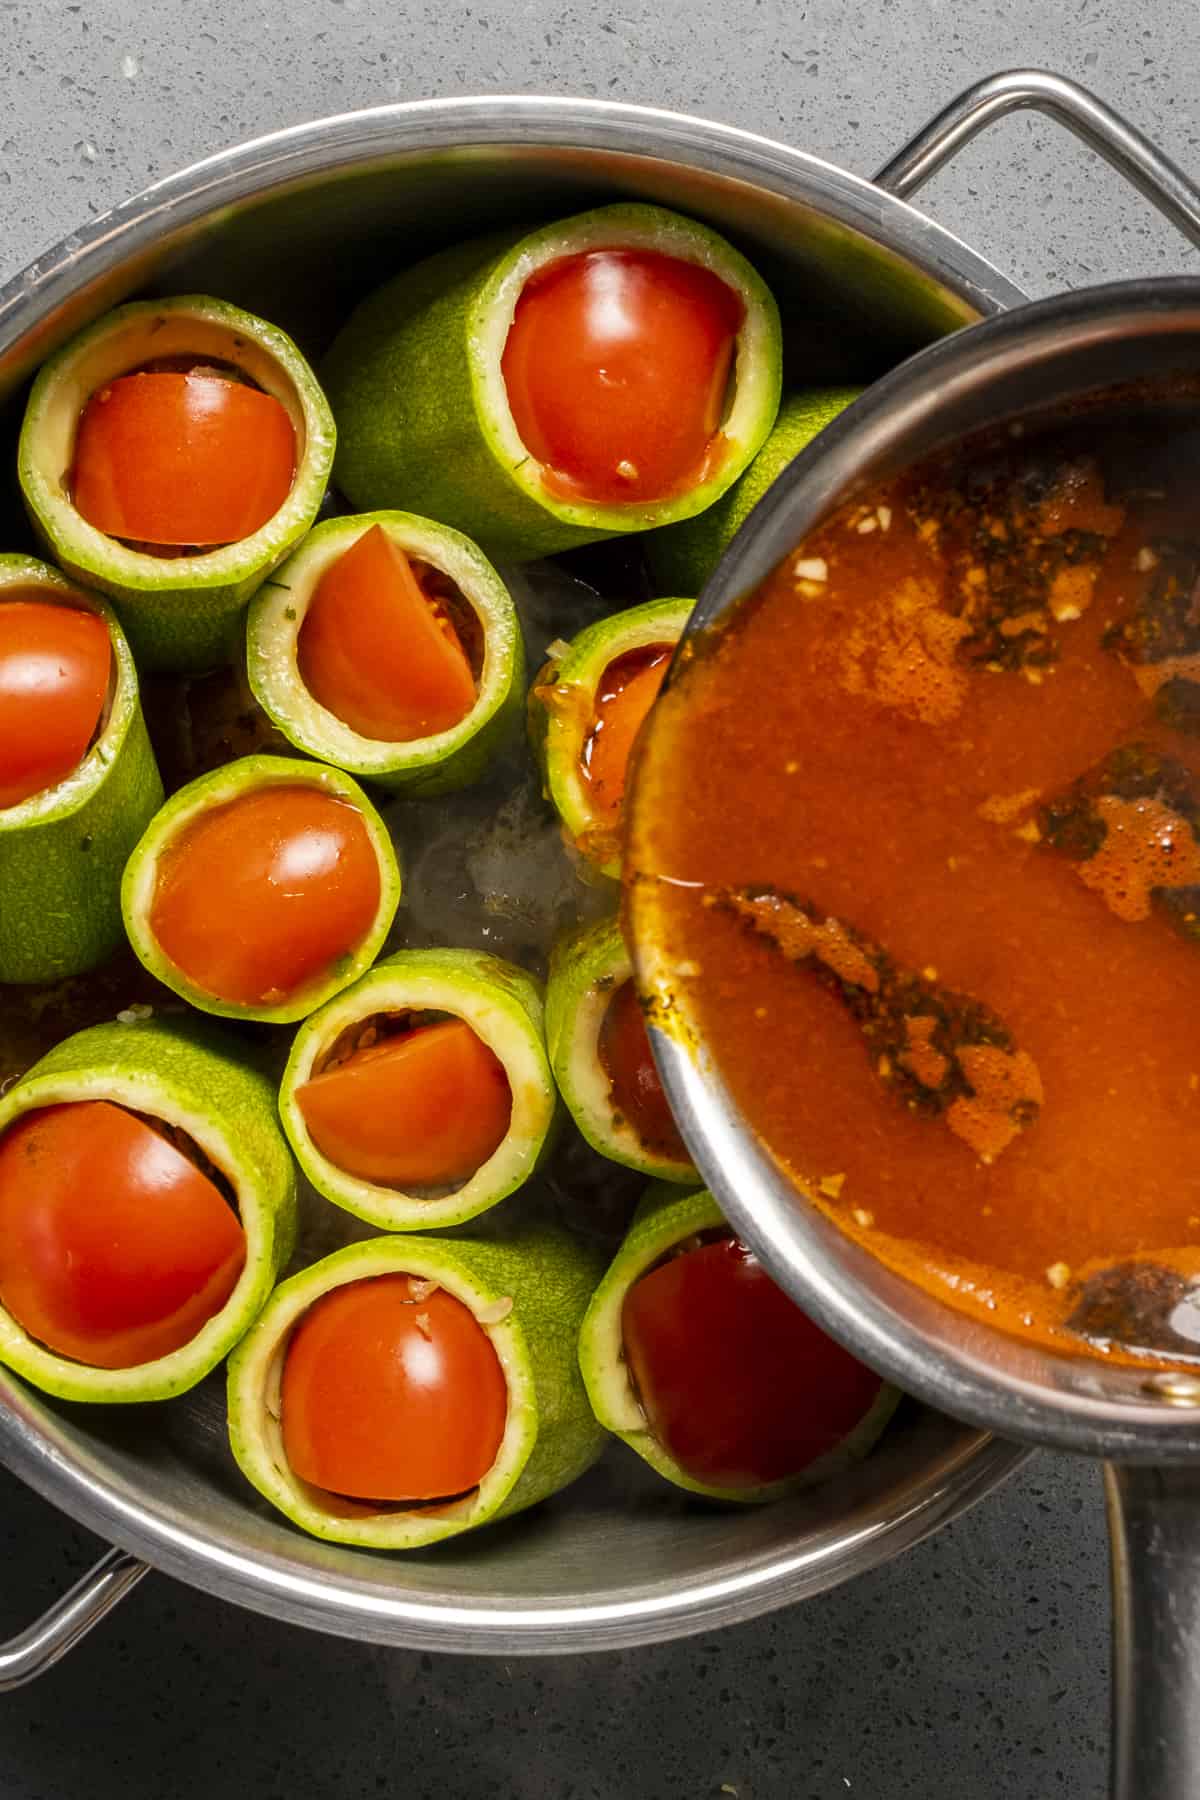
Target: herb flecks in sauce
1132,826
941,1053
1160,641
1022,546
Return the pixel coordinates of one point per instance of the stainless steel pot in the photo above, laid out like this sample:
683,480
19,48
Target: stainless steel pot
296,225
1146,1424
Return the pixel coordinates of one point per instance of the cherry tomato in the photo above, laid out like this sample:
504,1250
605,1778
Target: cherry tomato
616,367
257,898
624,695
377,653
114,1247
182,459
423,1109
736,1382
54,670
636,1089
392,1396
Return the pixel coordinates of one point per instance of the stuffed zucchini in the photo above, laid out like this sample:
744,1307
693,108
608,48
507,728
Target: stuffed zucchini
171,455
261,889
683,556
585,710
389,646
608,373
702,1365
147,1206
78,780
409,1389
421,1096
600,1055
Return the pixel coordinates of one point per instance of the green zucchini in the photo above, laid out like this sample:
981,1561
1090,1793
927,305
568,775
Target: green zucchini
683,556
503,1005
217,789
664,1219
423,416
181,612
586,969
562,705
431,765
62,851
192,1075
528,1292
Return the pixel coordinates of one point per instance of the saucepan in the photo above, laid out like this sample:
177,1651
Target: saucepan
297,226
1038,361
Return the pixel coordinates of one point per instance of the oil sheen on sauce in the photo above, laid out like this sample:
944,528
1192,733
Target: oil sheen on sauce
930,807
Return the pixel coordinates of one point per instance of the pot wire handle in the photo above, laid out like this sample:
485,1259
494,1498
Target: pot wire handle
33,1651
1153,1516
1121,144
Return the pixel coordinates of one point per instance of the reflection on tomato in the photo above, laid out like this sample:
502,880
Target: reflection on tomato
259,897
616,367
114,1247
637,1092
391,1392
736,1382
172,459
423,1109
625,693
377,653
54,673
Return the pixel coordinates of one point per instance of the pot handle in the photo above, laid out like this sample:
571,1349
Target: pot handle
1103,130
1154,1534
60,1628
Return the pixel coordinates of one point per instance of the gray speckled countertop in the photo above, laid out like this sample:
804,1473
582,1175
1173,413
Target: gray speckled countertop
975,1666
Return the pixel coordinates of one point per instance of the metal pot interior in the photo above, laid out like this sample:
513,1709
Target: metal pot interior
1037,360
298,226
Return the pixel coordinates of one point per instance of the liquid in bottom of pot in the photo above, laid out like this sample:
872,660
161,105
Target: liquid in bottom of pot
929,806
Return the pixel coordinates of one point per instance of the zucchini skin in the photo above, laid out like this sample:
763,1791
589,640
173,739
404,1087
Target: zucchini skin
62,853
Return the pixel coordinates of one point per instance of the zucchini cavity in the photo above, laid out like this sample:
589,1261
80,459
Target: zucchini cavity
62,849
180,608
192,1082
527,1294
424,413
668,1224
501,1005
480,612
621,1111
259,921
577,697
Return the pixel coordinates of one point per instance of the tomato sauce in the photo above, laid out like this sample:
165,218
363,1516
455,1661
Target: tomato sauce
930,813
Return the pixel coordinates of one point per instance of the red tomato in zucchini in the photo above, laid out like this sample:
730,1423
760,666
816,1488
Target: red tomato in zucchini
736,1382
115,1248
424,1109
616,367
625,693
54,672
387,1396
377,653
182,459
637,1092
257,898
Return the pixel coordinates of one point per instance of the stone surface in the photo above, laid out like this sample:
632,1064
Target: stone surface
977,1665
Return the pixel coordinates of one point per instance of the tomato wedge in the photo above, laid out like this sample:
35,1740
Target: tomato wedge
391,1392
377,653
54,671
423,1109
637,1092
115,1248
257,898
736,1382
624,695
616,366
182,459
